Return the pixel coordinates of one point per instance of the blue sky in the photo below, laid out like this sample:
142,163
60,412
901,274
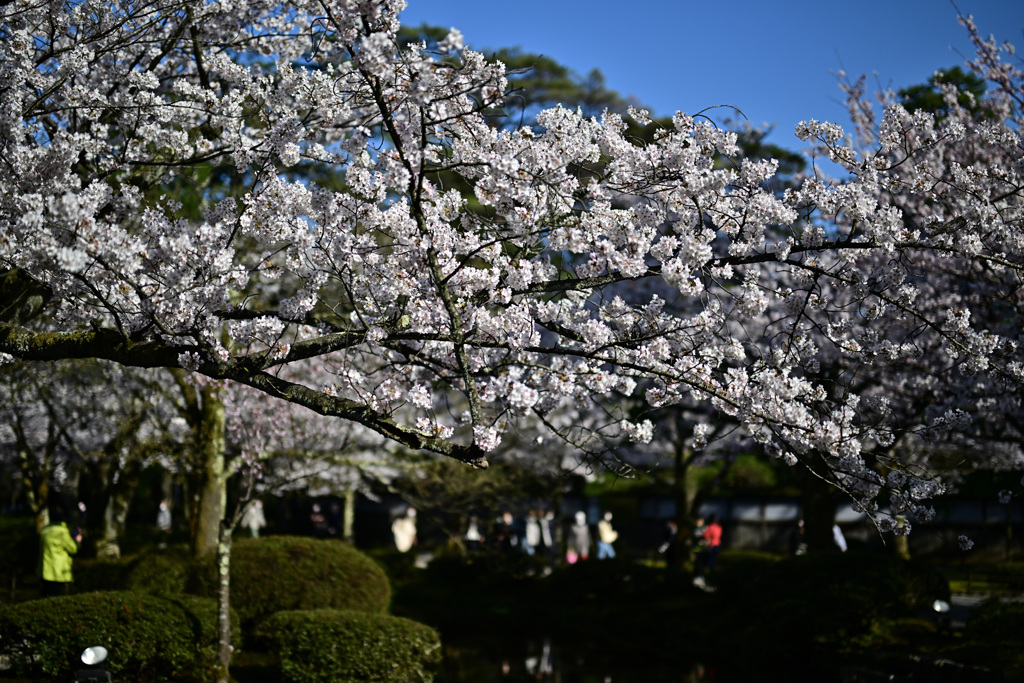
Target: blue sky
774,60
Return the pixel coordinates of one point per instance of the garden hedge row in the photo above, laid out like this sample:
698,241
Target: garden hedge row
279,573
268,575
341,646
148,637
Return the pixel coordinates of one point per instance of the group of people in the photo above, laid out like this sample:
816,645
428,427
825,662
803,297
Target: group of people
535,533
580,539
798,540
707,540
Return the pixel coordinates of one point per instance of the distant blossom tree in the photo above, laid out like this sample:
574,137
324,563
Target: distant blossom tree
79,431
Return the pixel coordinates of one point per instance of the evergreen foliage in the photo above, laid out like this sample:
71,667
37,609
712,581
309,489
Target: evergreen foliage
148,637
342,646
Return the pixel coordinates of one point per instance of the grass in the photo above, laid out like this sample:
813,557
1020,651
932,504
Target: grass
1000,578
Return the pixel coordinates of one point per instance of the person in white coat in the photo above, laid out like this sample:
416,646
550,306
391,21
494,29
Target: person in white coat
253,519
404,531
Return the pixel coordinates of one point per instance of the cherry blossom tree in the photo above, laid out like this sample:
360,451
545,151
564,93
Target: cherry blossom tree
441,319
78,431
939,377
403,296
391,295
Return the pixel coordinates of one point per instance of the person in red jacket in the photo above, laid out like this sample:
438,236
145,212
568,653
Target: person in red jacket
707,558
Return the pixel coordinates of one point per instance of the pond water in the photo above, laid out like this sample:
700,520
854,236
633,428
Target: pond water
486,659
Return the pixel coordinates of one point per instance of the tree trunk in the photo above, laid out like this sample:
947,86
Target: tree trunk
901,540
819,509
681,495
349,512
99,524
115,514
224,648
37,487
210,531
209,475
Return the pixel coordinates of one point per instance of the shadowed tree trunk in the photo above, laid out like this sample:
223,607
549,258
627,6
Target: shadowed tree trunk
35,472
207,473
206,470
115,512
688,493
819,509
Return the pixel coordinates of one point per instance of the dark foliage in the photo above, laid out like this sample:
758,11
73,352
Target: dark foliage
268,575
340,646
279,573
148,637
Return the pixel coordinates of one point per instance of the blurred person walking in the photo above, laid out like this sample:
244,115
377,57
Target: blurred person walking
404,530
707,557
669,543
57,545
606,535
579,540
164,522
254,519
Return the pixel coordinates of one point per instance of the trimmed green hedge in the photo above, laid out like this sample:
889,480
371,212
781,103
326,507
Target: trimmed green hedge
339,646
268,575
19,546
819,602
160,573
997,622
148,637
279,573
157,572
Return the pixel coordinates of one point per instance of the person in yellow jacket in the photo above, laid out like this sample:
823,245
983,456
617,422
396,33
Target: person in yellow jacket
606,535
56,546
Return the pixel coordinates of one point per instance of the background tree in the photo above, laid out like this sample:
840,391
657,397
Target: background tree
78,431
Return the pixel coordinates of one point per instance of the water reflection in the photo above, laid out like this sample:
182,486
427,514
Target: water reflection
541,666
479,659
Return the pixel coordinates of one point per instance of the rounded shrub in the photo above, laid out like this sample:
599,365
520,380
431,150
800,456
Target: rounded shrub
341,646
148,637
19,546
107,574
997,622
279,573
165,572
158,572
822,600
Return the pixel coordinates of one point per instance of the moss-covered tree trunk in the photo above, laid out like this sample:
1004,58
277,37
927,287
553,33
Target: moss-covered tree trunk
35,473
209,473
115,513
348,520
211,531
206,474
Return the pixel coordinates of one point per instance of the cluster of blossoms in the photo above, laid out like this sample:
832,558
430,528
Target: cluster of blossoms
578,270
